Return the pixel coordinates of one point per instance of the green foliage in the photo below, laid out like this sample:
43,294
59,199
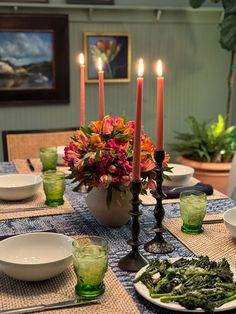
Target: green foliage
228,25
207,142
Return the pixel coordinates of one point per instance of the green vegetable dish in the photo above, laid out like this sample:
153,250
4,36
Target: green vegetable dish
192,283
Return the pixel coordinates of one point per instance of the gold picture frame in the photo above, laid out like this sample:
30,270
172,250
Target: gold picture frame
115,51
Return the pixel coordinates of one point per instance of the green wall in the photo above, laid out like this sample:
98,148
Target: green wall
195,70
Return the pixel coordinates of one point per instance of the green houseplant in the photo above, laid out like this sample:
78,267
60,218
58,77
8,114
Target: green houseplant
208,148
207,142
228,42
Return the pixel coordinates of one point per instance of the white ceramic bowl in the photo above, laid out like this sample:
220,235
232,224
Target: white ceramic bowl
180,175
60,154
230,220
35,256
14,187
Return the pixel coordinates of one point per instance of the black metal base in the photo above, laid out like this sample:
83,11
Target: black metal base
132,262
158,245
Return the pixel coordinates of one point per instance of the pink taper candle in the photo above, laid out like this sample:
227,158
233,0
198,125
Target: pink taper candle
101,89
82,89
137,133
160,90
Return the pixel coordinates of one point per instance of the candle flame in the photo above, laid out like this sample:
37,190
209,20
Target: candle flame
100,64
81,58
159,68
140,67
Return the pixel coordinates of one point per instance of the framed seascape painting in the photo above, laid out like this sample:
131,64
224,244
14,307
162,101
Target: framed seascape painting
26,1
34,59
115,52
91,2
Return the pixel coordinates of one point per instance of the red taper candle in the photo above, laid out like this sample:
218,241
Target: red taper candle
159,112
101,89
137,134
82,89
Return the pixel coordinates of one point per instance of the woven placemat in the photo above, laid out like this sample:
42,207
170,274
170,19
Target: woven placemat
215,241
21,209
15,294
23,167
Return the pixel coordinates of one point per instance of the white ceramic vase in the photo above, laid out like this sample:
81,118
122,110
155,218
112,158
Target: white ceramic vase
117,214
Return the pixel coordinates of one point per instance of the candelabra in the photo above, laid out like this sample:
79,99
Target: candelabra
158,244
133,261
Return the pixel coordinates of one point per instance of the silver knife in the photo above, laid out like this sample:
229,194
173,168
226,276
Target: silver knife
213,221
53,306
21,209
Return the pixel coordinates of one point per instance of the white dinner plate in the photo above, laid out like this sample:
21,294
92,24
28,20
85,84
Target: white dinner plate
192,181
143,291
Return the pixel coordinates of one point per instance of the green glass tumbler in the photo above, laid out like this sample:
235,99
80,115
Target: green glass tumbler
48,158
54,187
192,210
90,260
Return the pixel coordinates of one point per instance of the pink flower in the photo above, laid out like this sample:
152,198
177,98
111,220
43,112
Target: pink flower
151,184
92,159
112,168
148,165
125,180
108,124
104,180
79,164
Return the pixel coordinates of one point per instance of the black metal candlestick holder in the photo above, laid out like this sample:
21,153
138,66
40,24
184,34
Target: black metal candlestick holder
133,261
158,244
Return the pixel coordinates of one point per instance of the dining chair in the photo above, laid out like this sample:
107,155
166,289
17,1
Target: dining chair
231,190
22,144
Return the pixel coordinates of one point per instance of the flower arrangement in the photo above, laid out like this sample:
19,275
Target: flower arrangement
102,154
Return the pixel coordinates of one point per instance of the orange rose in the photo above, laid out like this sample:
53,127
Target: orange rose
129,131
126,146
119,124
107,125
147,144
96,126
81,137
95,138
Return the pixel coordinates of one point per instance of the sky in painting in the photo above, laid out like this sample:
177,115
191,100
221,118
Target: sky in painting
22,48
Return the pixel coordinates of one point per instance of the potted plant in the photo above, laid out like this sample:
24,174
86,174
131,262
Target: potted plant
208,148
100,156
228,42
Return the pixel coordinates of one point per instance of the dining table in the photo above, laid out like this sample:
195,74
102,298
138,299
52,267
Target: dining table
80,221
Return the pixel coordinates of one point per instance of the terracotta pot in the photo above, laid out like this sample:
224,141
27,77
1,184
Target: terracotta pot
213,173
117,214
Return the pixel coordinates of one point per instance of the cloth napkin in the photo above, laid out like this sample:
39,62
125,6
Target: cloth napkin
173,192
